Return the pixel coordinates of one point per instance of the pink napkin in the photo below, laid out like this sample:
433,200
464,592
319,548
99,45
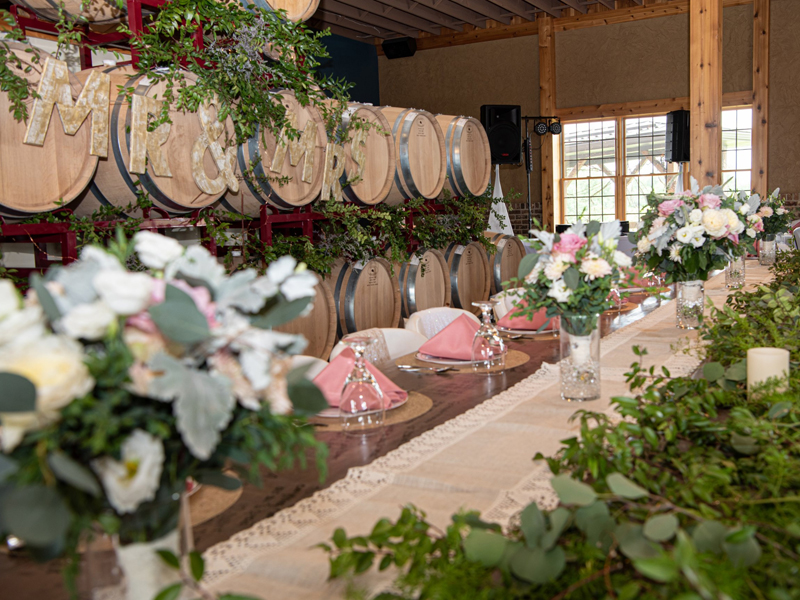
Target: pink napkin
454,341
634,277
539,319
331,380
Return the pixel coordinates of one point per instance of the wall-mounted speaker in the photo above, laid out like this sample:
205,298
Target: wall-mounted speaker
677,143
399,47
503,124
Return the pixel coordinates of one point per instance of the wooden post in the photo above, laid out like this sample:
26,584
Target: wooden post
760,96
547,107
705,73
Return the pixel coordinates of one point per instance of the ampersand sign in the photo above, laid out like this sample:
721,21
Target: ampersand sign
212,129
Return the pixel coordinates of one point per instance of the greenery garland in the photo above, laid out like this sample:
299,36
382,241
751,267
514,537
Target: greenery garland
692,496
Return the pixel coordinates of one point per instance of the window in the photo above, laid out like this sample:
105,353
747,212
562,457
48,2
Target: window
737,135
610,166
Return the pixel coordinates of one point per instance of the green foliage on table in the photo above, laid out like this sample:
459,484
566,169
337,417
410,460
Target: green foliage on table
693,494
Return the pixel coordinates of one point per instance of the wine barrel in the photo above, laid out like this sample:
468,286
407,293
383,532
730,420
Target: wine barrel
40,178
114,185
469,158
296,10
419,152
424,282
505,262
318,326
470,279
259,151
366,293
96,11
377,173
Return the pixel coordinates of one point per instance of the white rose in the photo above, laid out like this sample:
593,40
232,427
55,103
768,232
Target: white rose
560,292
555,269
596,268
622,259
54,364
10,298
715,223
745,208
698,239
102,258
299,285
156,251
734,223
751,232
23,326
135,478
644,244
695,216
781,211
123,292
278,271
88,321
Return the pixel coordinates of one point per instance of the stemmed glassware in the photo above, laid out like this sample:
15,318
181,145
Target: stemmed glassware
488,347
362,408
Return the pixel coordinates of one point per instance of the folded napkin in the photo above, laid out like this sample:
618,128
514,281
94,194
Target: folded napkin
522,322
454,341
331,380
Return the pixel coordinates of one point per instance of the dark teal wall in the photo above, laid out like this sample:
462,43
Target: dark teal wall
357,62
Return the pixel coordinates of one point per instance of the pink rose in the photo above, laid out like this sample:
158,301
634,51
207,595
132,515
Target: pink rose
759,226
569,243
668,207
200,295
709,201
765,212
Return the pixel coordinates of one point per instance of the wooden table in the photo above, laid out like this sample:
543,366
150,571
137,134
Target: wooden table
452,394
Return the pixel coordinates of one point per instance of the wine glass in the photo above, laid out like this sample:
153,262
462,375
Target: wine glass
488,348
362,406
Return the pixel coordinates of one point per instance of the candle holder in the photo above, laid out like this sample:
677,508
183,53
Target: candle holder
764,364
735,274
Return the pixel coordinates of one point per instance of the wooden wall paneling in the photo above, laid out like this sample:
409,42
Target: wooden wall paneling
760,143
547,107
705,82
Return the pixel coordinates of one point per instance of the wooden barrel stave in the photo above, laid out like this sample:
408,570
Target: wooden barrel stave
296,10
319,326
366,294
379,150
66,165
97,11
419,154
424,282
505,262
470,279
114,185
469,158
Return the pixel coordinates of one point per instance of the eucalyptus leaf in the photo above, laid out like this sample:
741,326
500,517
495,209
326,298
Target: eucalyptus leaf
744,444
36,514
179,319
526,265
592,228
484,547
633,543
572,278
281,313
662,568
571,491
17,393
713,371
46,300
622,486
737,371
779,410
306,398
559,519
7,467
708,536
73,473
532,524
661,528
743,554
537,565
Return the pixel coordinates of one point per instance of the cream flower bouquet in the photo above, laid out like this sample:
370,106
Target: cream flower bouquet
118,385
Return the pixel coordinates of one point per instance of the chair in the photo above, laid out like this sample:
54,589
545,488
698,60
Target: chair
797,238
395,343
626,246
431,321
301,360
506,300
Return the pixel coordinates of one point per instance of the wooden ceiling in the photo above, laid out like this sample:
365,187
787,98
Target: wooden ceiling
377,20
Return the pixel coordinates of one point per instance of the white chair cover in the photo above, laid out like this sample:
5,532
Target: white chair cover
317,364
431,321
797,238
391,343
506,301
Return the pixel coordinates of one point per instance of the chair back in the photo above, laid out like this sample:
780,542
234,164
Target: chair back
391,343
431,321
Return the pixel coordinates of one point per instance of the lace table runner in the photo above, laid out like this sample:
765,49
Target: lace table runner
480,460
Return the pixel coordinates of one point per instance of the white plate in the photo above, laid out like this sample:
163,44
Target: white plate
441,361
333,413
527,332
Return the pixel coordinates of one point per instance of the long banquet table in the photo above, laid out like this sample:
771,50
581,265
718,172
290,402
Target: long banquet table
472,450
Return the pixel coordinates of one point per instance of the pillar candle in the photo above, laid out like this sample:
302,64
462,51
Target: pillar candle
764,363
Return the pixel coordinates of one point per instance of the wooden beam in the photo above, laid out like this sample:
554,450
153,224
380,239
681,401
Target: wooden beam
316,23
607,3
551,7
577,5
327,18
488,10
453,9
417,9
644,108
760,142
547,106
705,85
517,7
366,16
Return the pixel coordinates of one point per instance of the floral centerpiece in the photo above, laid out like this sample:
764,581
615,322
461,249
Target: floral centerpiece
776,220
689,234
117,385
571,276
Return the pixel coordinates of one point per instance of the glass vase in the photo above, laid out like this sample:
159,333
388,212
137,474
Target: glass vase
580,358
766,250
690,300
734,273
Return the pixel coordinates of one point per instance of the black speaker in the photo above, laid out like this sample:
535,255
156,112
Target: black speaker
399,47
677,147
503,124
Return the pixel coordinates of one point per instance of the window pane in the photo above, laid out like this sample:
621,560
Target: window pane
589,161
645,161
737,149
